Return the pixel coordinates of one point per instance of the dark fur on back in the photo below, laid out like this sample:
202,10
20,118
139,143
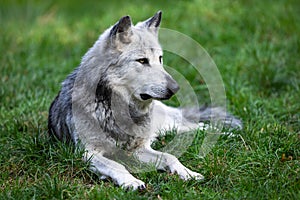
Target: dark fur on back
62,104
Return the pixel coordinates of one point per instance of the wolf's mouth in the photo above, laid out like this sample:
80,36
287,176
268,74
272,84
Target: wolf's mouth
145,96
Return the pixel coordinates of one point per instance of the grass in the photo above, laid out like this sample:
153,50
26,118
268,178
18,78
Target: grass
256,47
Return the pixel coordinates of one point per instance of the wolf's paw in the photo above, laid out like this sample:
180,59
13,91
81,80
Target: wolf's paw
134,185
131,183
185,173
192,175
202,126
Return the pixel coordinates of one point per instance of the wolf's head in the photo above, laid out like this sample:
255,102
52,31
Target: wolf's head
137,69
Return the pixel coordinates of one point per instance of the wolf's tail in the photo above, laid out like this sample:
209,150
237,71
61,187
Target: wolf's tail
213,115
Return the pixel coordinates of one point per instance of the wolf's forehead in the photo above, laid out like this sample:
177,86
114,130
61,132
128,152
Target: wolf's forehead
144,52
147,41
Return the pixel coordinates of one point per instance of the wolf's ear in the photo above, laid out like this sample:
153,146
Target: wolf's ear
152,23
122,29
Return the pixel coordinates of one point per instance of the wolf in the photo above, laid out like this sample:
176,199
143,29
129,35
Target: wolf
112,102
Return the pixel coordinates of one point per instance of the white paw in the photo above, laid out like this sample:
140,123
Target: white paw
202,126
192,175
129,182
185,173
103,177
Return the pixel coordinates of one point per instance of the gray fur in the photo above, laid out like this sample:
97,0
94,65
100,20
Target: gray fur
110,103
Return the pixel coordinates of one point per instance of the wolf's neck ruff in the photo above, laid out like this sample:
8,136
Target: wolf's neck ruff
119,118
138,117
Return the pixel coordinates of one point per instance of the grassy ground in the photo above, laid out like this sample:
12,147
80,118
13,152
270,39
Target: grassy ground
256,47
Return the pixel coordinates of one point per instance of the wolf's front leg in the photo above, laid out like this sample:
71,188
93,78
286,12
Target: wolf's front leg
165,161
117,172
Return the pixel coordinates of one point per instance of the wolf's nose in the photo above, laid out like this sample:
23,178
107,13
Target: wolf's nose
172,84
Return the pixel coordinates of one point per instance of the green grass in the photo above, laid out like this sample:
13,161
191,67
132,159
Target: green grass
256,47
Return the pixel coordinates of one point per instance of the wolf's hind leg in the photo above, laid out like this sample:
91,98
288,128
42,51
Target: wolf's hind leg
117,172
165,161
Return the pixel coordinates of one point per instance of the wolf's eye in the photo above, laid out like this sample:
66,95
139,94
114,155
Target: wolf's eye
143,61
160,59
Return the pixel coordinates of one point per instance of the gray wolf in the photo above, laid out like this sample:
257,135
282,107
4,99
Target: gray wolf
111,102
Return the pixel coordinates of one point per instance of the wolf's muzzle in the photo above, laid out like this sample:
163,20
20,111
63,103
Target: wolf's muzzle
162,93
172,85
